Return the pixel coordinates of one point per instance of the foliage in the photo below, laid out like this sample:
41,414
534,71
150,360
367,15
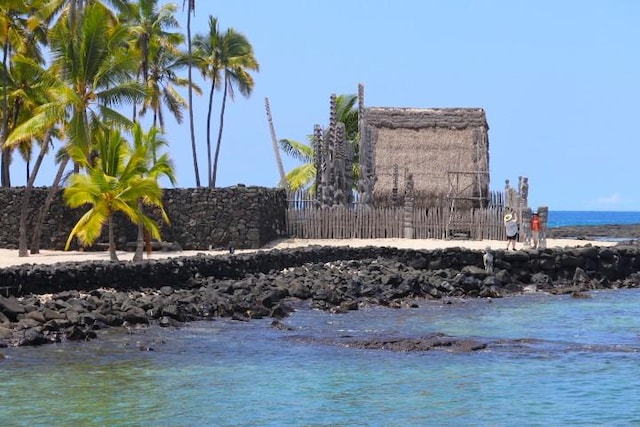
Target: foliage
116,178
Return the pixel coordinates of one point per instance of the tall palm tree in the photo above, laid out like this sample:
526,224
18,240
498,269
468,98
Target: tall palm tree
303,176
12,38
207,55
151,39
95,78
162,84
30,84
114,182
191,9
25,84
149,27
236,61
152,166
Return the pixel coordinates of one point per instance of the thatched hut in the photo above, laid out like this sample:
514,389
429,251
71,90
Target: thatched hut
446,150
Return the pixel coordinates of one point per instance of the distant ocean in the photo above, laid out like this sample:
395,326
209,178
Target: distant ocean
573,218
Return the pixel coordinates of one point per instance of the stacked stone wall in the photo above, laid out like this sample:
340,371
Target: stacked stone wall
201,218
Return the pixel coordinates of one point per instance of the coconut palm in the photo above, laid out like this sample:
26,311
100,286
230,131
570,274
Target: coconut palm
162,84
152,167
149,26
94,79
30,84
207,57
302,176
157,48
113,182
12,38
236,61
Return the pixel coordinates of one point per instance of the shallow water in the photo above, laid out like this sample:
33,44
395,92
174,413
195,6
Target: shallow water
579,365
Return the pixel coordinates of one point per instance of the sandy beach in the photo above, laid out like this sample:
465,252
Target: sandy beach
9,257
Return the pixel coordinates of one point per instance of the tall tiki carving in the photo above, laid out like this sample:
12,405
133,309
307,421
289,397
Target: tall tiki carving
329,155
365,183
408,224
339,196
348,172
319,162
394,190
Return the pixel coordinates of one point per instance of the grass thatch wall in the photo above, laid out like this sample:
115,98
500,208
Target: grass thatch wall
434,145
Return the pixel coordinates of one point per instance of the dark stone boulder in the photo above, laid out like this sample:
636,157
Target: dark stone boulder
136,315
50,314
491,292
467,283
31,337
11,308
580,277
503,277
37,316
5,334
516,257
419,262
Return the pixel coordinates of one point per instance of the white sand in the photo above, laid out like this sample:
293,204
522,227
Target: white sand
10,257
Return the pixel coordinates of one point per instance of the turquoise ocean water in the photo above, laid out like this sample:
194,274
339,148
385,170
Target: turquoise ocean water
571,218
578,364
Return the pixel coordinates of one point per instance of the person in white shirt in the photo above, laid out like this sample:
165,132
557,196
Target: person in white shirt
511,227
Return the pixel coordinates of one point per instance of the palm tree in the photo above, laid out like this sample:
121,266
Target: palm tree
236,60
191,9
114,182
207,55
153,43
94,78
30,83
12,38
152,167
302,176
148,26
161,87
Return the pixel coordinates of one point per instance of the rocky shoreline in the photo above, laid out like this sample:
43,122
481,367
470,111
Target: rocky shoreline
596,232
71,301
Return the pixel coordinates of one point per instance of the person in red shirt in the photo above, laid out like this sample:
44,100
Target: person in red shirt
535,229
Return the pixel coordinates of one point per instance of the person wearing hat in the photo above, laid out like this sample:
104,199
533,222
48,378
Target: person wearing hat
511,227
535,229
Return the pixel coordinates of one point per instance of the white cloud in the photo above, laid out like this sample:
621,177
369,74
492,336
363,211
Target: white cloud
613,200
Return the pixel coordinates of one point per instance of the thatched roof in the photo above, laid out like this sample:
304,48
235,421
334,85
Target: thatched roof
446,150
420,118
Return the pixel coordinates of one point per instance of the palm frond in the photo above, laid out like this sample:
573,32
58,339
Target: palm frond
297,150
301,176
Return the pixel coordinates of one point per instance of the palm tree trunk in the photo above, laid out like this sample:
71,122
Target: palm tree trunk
4,132
209,170
140,239
112,241
23,244
215,159
37,226
191,126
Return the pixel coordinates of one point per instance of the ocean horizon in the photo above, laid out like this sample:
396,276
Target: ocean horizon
577,218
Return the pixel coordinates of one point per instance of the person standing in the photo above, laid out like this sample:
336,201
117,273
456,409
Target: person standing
535,229
511,227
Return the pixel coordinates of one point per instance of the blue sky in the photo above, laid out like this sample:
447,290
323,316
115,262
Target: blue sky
559,81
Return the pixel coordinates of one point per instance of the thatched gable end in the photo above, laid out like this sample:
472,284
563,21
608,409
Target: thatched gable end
420,118
446,150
